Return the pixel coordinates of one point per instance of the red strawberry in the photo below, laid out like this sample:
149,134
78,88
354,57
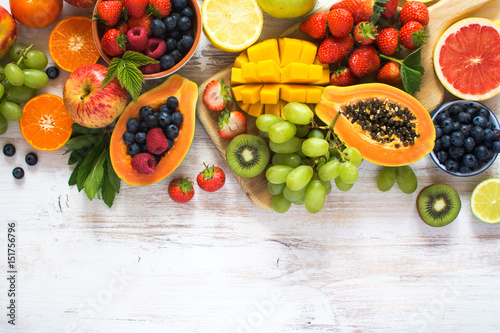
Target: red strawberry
340,22
361,10
181,190
216,95
387,41
365,32
334,49
232,124
390,8
315,26
121,26
159,8
114,42
109,12
211,179
414,11
343,77
143,21
389,73
412,35
135,8
364,61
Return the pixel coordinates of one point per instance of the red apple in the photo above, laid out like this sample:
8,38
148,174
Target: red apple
8,31
88,104
82,3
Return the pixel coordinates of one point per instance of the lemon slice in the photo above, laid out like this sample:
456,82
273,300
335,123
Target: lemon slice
485,201
232,25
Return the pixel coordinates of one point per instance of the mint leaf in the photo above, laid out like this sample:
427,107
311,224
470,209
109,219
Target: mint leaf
112,177
131,78
138,59
112,71
74,174
82,141
412,71
79,129
78,155
108,192
94,180
88,163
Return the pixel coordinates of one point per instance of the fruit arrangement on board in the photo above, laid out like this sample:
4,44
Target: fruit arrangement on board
299,113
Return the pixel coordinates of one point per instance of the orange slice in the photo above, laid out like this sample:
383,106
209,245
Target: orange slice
46,125
71,44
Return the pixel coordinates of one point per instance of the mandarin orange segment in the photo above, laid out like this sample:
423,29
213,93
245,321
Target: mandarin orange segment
71,44
46,125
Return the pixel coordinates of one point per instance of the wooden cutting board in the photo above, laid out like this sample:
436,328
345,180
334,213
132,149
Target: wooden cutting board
442,14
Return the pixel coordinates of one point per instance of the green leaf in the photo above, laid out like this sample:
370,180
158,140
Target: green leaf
78,129
137,59
108,192
94,180
112,177
112,71
74,174
82,141
131,78
88,163
78,155
411,79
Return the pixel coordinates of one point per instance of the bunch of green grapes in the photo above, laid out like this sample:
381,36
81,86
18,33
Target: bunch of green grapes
19,81
306,159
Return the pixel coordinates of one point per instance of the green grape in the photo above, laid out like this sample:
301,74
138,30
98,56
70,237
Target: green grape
14,74
386,178
275,189
348,172
20,94
302,131
300,202
35,78
334,152
294,195
11,110
282,131
290,146
343,186
298,113
329,171
299,177
3,124
315,196
23,66
277,173
2,90
292,160
406,179
314,147
265,121
316,133
35,59
263,134
354,156
328,187
2,74
280,204
15,52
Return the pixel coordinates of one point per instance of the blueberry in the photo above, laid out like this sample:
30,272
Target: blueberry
471,111
164,108
457,138
187,11
176,34
442,156
438,145
133,149
18,173
479,121
454,110
167,62
490,155
184,45
484,113
31,159
452,165
447,126
477,133
176,54
128,138
165,119
489,136
132,125
184,23
52,72
464,118
140,137
481,152
177,118
176,16
178,5
152,121
170,143
171,44
441,117
145,111
9,149
469,144
172,103
496,146
446,141
456,125
456,152
497,134
463,168
469,160
439,132
465,129
158,28
172,131
143,127
170,23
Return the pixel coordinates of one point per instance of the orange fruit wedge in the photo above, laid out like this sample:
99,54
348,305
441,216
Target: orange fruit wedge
71,44
45,124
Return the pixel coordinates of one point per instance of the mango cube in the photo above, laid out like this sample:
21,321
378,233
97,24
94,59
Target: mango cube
254,53
241,59
250,94
249,72
237,92
308,52
270,51
282,104
313,94
294,72
236,76
243,106
325,78
270,94
290,49
315,73
272,109
293,92
256,109
268,71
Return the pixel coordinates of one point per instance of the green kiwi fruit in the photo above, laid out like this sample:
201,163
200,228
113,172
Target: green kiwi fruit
247,155
438,204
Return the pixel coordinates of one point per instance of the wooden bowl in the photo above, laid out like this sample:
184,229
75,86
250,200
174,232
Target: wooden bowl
97,33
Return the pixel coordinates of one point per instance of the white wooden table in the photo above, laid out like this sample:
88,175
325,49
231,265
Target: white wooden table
366,263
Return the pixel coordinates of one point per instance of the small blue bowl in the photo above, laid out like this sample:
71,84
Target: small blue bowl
464,103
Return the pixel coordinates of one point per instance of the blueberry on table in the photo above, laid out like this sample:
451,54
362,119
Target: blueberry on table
9,150
18,173
52,72
31,159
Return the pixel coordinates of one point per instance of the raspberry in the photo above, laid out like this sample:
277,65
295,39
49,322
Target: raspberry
150,68
156,48
144,163
156,141
137,38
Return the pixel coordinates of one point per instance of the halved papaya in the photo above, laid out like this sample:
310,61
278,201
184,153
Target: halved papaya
387,125
187,93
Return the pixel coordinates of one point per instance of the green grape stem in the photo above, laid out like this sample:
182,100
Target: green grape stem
23,53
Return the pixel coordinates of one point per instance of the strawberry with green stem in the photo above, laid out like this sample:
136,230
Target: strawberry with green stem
181,190
114,42
412,35
109,12
315,26
211,179
389,74
365,32
363,10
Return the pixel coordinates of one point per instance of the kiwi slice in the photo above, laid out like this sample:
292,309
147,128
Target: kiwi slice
247,155
438,204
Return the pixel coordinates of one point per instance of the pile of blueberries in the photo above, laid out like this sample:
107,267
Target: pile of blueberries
466,138
168,118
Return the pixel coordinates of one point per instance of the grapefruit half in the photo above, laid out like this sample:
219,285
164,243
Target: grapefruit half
467,59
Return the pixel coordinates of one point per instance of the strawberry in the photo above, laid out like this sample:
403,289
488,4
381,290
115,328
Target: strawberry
216,95
135,8
365,32
389,74
361,10
364,61
143,21
181,190
120,26
343,77
315,26
109,12
334,49
211,179
159,8
414,11
389,8
387,41
114,42
412,35
340,22
232,124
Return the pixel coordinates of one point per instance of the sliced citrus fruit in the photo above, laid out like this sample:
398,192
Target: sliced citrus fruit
71,44
232,25
467,59
485,201
45,124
